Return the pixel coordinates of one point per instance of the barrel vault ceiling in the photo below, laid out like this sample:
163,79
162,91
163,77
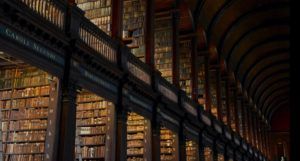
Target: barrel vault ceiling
252,36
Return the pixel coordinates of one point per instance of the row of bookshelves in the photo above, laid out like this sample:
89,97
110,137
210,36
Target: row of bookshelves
134,17
136,137
92,124
191,151
185,66
163,40
23,124
168,145
99,12
24,93
213,92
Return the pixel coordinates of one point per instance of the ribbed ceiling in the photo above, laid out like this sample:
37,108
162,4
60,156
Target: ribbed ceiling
252,36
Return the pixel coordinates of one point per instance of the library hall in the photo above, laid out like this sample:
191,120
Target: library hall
147,80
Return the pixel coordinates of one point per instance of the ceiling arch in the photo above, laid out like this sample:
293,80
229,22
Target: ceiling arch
272,88
252,36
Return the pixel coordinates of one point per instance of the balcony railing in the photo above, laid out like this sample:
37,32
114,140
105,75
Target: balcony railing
138,69
97,40
53,11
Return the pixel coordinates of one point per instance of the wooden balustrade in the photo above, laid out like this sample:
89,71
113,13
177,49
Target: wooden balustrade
98,40
138,69
52,10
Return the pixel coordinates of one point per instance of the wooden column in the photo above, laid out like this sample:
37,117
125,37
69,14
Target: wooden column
117,20
149,33
175,59
194,71
236,110
207,88
240,115
250,125
245,120
255,129
201,148
121,133
219,99
260,136
182,138
155,127
227,100
215,152
67,122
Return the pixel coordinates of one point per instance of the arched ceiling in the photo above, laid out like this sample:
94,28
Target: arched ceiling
253,38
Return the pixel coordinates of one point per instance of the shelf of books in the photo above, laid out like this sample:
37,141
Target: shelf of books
232,110
213,92
208,154
201,75
221,157
138,138
134,17
94,127
191,151
168,145
185,66
223,102
239,116
99,12
25,94
163,39
1,145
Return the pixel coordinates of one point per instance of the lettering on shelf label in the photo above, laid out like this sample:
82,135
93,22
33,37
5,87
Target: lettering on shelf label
31,44
94,78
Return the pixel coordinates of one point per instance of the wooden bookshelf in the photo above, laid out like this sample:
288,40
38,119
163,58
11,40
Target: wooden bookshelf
208,154
221,157
201,75
99,12
213,92
185,66
24,104
168,145
192,153
94,124
224,102
163,39
138,134
232,110
134,18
